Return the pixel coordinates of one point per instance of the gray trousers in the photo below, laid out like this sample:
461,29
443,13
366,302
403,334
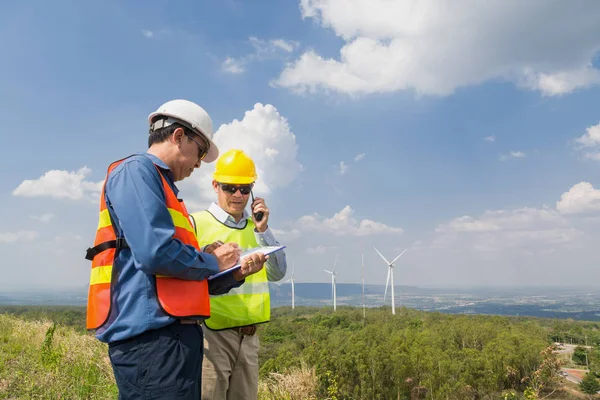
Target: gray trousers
230,365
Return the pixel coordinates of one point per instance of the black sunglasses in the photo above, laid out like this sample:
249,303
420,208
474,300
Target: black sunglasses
202,150
230,188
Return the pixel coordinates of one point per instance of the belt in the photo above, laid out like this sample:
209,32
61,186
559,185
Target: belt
130,339
188,321
248,330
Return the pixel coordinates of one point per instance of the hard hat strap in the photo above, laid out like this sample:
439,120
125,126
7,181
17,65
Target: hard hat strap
164,122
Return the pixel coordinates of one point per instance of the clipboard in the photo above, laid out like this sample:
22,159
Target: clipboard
265,249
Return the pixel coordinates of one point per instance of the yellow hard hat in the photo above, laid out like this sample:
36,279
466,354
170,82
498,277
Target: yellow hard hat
236,167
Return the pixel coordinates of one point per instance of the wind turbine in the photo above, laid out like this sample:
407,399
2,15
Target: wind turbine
390,275
363,285
333,274
291,280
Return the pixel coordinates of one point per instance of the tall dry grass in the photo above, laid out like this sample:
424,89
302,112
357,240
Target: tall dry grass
297,384
39,360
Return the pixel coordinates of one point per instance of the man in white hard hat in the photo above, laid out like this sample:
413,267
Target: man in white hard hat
149,283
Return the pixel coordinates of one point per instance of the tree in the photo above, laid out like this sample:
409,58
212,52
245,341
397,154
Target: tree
589,384
580,355
546,376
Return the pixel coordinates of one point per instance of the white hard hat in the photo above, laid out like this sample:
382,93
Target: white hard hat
192,115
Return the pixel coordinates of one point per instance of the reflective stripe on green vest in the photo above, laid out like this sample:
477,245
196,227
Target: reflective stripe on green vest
244,305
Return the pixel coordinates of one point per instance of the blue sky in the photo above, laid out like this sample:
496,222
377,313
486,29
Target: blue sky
467,134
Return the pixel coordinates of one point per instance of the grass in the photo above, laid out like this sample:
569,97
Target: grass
43,360
297,384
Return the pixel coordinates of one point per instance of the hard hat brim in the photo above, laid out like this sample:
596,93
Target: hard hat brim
213,152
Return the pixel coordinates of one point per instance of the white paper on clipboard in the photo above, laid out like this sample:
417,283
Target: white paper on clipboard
266,250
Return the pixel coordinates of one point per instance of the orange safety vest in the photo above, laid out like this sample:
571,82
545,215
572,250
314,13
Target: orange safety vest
177,297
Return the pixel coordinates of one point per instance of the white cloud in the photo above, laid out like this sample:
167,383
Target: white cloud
287,235
434,47
581,198
502,229
269,48
320,249
359,157
284,45
490,138
563,82
45,218
589,140
233,66
147,33
534,231
20,236
591,137
61,184
513,154
499,220
264,135
343,168
592,156
343,223
263,50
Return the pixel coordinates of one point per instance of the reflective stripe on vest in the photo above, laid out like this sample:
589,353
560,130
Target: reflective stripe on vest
177,297
245,305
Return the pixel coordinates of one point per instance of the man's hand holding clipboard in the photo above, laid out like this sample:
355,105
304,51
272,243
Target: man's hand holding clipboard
251,261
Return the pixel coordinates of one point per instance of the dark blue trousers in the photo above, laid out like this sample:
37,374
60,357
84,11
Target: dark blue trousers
165,363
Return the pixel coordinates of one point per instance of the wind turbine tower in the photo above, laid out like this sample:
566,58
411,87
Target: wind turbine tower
363,286
291,280
333,274
390,276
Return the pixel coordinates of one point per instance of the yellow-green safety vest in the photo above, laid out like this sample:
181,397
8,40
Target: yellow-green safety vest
245,305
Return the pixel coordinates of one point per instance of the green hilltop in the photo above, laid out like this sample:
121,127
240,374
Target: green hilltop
315,353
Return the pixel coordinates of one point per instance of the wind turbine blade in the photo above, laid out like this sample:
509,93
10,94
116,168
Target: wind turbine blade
381,255
329,272
386,283
293,269
398,256
335,263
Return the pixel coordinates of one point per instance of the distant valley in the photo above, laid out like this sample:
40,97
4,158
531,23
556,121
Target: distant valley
576,303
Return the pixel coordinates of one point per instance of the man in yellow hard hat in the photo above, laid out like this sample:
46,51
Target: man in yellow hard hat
230,366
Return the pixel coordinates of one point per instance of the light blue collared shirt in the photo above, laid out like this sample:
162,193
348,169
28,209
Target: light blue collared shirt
276,265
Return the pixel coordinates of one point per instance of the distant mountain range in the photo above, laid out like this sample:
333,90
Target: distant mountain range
351,293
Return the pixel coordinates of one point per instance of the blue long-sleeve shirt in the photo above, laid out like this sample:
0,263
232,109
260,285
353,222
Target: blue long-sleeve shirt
137,205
